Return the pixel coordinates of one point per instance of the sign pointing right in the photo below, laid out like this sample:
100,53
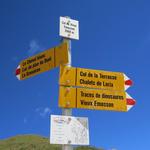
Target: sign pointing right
130,101
98,79
95,99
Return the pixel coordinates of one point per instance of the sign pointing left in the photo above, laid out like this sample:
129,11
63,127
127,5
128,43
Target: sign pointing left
42,62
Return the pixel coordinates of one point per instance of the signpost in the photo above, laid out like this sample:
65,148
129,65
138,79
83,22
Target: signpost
42,62
94,99
69,130
79,88
94,79
66,34
69,28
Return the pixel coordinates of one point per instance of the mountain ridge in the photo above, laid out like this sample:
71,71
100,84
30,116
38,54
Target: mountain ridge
34,142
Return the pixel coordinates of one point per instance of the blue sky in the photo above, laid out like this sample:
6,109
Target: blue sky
114,36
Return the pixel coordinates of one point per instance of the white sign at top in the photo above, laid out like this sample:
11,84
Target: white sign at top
69,28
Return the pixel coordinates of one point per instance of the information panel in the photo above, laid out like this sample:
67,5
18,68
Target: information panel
69,130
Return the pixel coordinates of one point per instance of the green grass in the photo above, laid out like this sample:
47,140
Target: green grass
33,142
27,142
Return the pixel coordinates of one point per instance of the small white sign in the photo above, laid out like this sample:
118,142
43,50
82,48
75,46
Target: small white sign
69,130
69,28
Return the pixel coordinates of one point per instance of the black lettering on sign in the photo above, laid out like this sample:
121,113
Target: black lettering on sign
107,77
29,61
96,103
84,94
24,69
40,56
95,75
117,97
69,28
90,74
97,95
99,83
87,82
68,31
41,62
47,59
86,103
32,72
35,64
73,25
107,84
23,75
83,73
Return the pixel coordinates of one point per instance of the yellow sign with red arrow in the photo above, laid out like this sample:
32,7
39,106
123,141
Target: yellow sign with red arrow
71,76
42,62
94,99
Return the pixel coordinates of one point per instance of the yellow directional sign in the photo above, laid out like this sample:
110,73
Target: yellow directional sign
42,62
70,76
92,99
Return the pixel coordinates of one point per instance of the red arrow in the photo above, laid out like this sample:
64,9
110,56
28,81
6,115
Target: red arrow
18,72
127,82
130,101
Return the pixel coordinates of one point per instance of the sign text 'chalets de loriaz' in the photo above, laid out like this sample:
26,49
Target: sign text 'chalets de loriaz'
42,62
96,99
71,76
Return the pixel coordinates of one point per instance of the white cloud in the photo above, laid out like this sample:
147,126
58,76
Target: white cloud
34,47
43,111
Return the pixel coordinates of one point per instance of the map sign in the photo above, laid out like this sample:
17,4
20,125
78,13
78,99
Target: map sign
69,130
69,28
71,76
94,99
42,62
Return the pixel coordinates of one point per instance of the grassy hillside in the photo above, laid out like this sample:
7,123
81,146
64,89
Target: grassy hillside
27,142
33,142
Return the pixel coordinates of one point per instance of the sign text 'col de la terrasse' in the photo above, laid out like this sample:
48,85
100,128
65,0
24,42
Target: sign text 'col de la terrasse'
94,89
89,78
